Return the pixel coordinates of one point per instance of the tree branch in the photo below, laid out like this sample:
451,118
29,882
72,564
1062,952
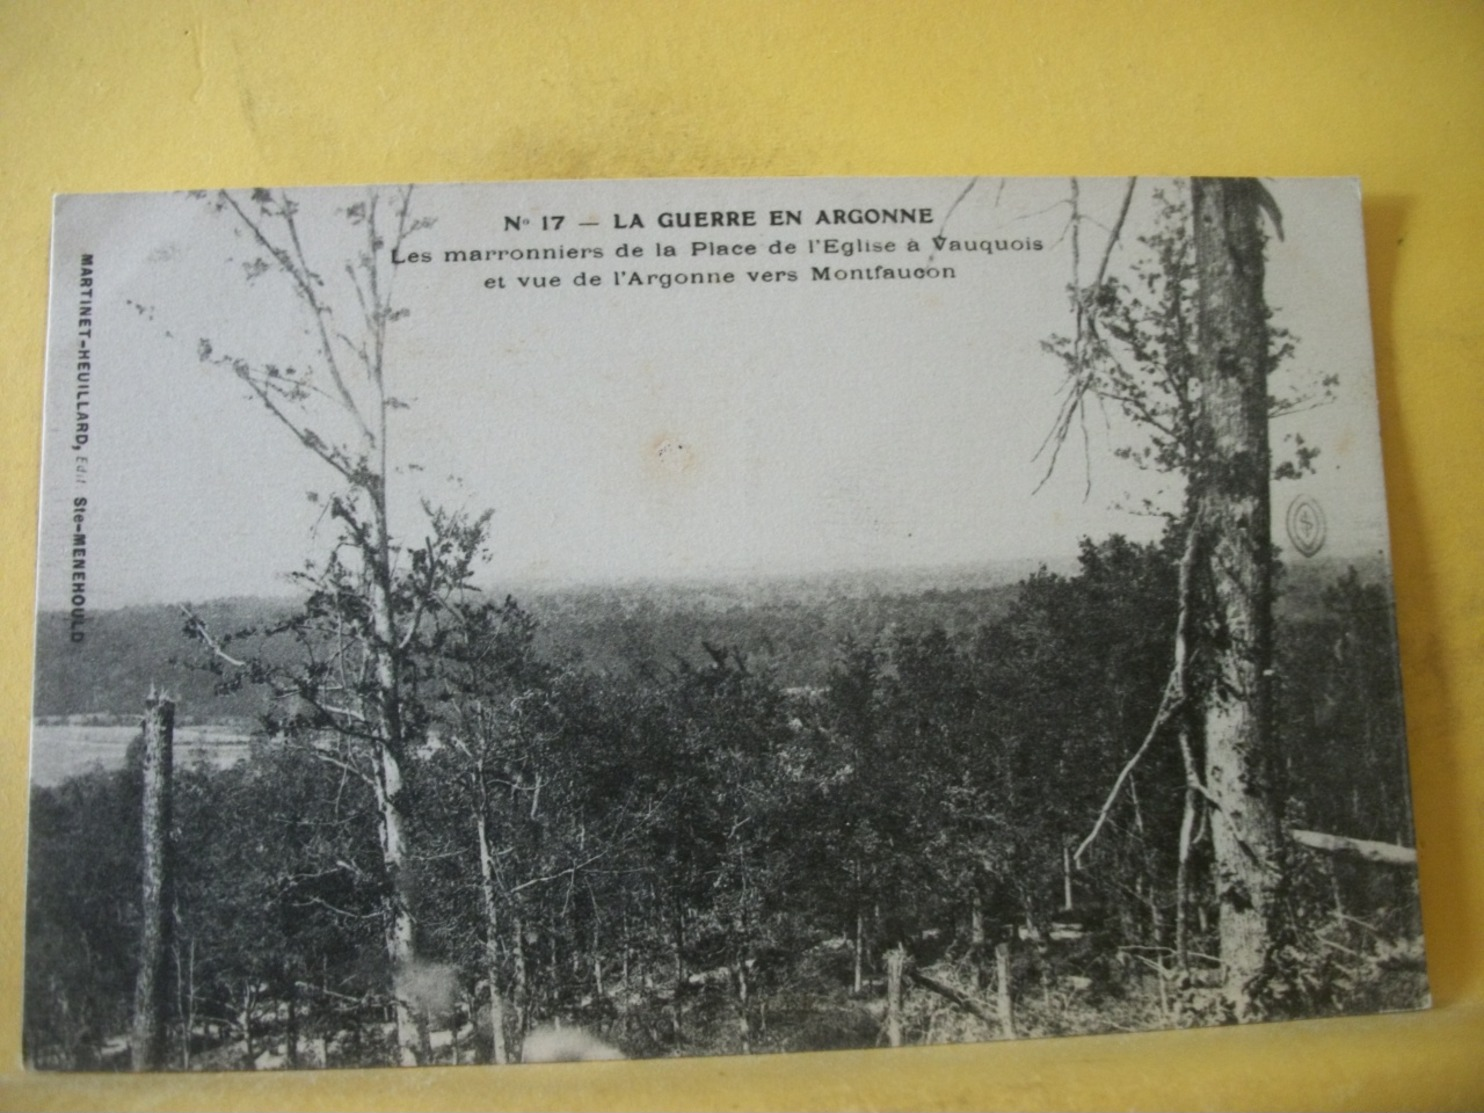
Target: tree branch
1169,703
1176,695
302,277
568,872
196,627
1117,230
302,433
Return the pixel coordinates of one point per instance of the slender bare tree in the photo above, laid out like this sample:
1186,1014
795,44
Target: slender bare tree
336,403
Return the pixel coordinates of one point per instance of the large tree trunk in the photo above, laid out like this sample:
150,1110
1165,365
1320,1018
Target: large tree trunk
147,1046
1232,516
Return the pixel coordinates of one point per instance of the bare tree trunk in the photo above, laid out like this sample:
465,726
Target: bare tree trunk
597,944
390,753
498,1052
976,943
677,946
185,999
1233,515
398,926
627,942
249,1002
423,1052
1003,997
147,1050
896,961
291,1032
522,995
860,948
1182,884
744,1028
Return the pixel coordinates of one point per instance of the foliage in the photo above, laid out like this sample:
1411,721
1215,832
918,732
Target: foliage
1134,352
698,858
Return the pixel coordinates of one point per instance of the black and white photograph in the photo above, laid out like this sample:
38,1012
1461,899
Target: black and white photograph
508,623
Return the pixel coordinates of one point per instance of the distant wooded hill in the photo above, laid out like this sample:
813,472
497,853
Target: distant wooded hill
792,627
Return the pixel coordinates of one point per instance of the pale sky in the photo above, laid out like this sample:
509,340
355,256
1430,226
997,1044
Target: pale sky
623,433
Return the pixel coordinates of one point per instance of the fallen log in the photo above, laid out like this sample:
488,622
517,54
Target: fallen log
1385,853
962,1000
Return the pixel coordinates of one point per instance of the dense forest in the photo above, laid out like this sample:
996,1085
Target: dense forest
696,853
789,623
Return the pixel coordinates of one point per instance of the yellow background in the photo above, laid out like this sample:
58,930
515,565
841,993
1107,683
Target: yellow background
167,95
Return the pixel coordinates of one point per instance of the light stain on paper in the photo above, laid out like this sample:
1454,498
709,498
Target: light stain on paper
670,455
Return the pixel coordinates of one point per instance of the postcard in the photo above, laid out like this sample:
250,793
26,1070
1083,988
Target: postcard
621,619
